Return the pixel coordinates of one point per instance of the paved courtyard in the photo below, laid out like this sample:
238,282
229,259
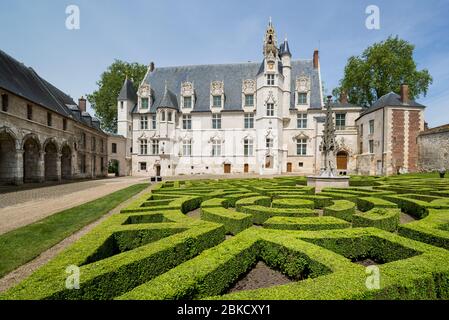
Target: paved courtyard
23,206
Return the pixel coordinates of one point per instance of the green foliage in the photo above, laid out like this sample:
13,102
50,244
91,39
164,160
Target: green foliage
24,244
293,203
259,200
433,229
309,223
382,218
104,100
260,213
234,222
342,209
368,203
153,250
381,69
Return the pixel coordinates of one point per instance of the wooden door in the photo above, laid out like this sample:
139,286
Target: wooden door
227,168
289,167
158,171
246,168
342,161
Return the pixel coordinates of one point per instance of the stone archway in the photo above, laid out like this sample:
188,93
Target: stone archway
66,162
51,161
8,161
31,160
114,167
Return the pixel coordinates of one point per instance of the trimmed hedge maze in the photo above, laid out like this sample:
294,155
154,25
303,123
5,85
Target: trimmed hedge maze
196,239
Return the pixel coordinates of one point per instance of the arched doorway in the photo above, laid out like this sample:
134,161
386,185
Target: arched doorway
269,162
66,162
31,156
114,167
7,158
51,157
342,160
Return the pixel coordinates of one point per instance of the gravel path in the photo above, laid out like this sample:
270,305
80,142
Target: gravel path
20,208
261,276
27,269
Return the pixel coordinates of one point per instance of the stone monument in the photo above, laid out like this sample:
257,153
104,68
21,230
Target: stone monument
328,174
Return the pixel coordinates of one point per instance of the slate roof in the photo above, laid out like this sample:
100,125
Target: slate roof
391,100
24,82
345,105
232,74
284,48
169,100
127,92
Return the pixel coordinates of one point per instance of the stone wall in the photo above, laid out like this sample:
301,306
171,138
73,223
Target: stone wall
433,149
34,151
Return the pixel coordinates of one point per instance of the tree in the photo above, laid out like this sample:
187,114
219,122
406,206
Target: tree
381,69
104,100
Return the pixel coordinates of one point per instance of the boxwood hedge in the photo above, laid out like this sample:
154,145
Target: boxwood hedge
382,218
153,250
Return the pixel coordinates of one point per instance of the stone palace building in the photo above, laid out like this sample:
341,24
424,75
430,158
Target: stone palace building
262,118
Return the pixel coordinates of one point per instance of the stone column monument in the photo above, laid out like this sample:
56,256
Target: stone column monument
328,146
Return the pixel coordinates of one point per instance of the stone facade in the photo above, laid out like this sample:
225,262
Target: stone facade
41,140
270,117
117,152
433,149
388,136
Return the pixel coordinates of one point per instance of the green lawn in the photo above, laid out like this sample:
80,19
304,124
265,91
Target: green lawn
24,244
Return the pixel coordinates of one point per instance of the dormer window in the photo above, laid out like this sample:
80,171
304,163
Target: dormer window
249,100
216,101
144,103
302,90
217,94
187,94
270,79
302,98
188,102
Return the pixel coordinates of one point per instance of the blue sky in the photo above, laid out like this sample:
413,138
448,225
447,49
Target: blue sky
199,31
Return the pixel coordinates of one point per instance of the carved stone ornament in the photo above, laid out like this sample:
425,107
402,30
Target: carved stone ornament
144,90
247,137
303,84
270,98
216,138
187,89
301,135
185,137
249,86
217,88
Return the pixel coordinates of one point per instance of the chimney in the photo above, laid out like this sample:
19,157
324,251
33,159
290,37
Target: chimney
343,97
151,66
426,126
316,59
404,93
82,104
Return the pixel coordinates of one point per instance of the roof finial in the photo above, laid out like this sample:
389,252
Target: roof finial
285,38
270,23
